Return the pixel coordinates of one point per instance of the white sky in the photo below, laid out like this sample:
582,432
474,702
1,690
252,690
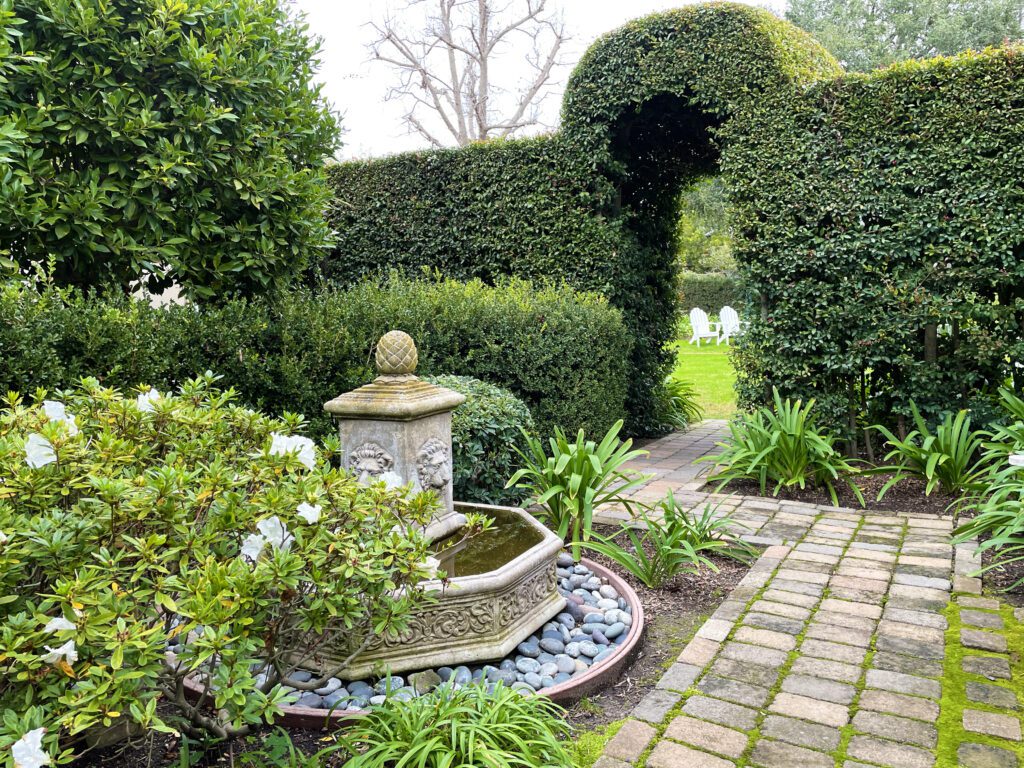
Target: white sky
357,86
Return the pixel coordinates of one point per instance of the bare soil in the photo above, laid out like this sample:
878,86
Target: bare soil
673,613
906,496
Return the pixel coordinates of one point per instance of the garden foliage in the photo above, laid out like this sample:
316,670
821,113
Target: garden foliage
880,220
178,140
877,217
575,478
300,350
711,291
782,446
673,540
486,430
461,727
595,204
136,524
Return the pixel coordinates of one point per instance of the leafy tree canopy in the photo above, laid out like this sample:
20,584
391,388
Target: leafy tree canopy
168,141
865,34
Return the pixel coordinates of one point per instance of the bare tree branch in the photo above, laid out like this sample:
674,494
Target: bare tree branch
450,74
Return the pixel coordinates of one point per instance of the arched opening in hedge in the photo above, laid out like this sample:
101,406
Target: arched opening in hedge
644,112
655,105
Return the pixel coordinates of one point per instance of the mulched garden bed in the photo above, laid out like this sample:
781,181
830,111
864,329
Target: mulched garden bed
673,614
905,496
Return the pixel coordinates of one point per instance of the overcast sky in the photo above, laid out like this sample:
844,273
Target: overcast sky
358,86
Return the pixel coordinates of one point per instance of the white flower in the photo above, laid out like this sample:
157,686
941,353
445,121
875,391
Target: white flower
144,402
282,444
1016,459
28,750
3,538
57,412
253,545
309,512
58,624
66,652
275,532
38,451
271,531
433,565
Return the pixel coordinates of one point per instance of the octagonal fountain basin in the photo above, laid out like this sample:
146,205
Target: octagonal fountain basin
501,587
599,676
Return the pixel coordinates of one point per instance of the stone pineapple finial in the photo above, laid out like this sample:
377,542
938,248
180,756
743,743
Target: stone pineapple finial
396,354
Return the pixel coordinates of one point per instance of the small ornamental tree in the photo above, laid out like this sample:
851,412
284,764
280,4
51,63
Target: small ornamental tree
154,543
167,141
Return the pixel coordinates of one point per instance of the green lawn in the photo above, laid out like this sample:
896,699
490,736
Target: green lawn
709,370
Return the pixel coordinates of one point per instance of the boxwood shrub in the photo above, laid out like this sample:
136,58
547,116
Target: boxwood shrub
485,431
563,353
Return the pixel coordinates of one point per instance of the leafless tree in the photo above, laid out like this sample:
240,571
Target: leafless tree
449,70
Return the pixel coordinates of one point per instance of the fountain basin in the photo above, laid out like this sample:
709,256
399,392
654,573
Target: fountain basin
474,617
598,677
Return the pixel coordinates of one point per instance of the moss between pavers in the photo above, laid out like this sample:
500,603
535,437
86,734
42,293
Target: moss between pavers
754,734
692,690
589,745
954,687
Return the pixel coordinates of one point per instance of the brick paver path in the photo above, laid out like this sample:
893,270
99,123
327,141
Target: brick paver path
672,464
855,640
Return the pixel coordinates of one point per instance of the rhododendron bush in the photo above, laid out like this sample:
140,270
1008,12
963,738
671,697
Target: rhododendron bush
146,538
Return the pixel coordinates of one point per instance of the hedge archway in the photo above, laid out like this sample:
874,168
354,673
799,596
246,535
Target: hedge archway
594,204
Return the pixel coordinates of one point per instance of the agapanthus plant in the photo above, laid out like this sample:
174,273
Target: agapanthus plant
151,538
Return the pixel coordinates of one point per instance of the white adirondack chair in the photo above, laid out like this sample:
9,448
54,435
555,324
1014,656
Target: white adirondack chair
730,324
701,326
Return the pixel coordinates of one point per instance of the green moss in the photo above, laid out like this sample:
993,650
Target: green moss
589,745
954,688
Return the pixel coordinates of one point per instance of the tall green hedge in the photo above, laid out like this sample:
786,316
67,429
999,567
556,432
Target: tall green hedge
595,204
878,217
303,349
881,219
711,291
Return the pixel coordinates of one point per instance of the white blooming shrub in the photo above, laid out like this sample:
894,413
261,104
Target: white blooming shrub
178,547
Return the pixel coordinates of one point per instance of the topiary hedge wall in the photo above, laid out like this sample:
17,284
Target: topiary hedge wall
711,291
595,204
878,217
300,350
881,219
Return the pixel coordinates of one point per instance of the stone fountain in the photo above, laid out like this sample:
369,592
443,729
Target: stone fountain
502,586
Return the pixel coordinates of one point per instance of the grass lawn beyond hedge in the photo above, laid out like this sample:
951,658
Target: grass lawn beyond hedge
710,371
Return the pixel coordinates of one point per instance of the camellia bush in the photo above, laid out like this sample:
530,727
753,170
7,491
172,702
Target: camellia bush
181,548
171,141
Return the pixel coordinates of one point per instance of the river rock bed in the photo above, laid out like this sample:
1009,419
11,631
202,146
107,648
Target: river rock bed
595,621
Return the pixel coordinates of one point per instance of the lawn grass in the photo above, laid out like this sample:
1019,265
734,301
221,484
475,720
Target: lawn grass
710,371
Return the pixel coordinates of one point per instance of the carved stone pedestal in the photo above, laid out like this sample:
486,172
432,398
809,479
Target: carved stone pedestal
399,429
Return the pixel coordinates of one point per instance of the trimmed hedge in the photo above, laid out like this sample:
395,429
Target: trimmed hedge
878,217
297,352
881,220
595,204
711,291
485,433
